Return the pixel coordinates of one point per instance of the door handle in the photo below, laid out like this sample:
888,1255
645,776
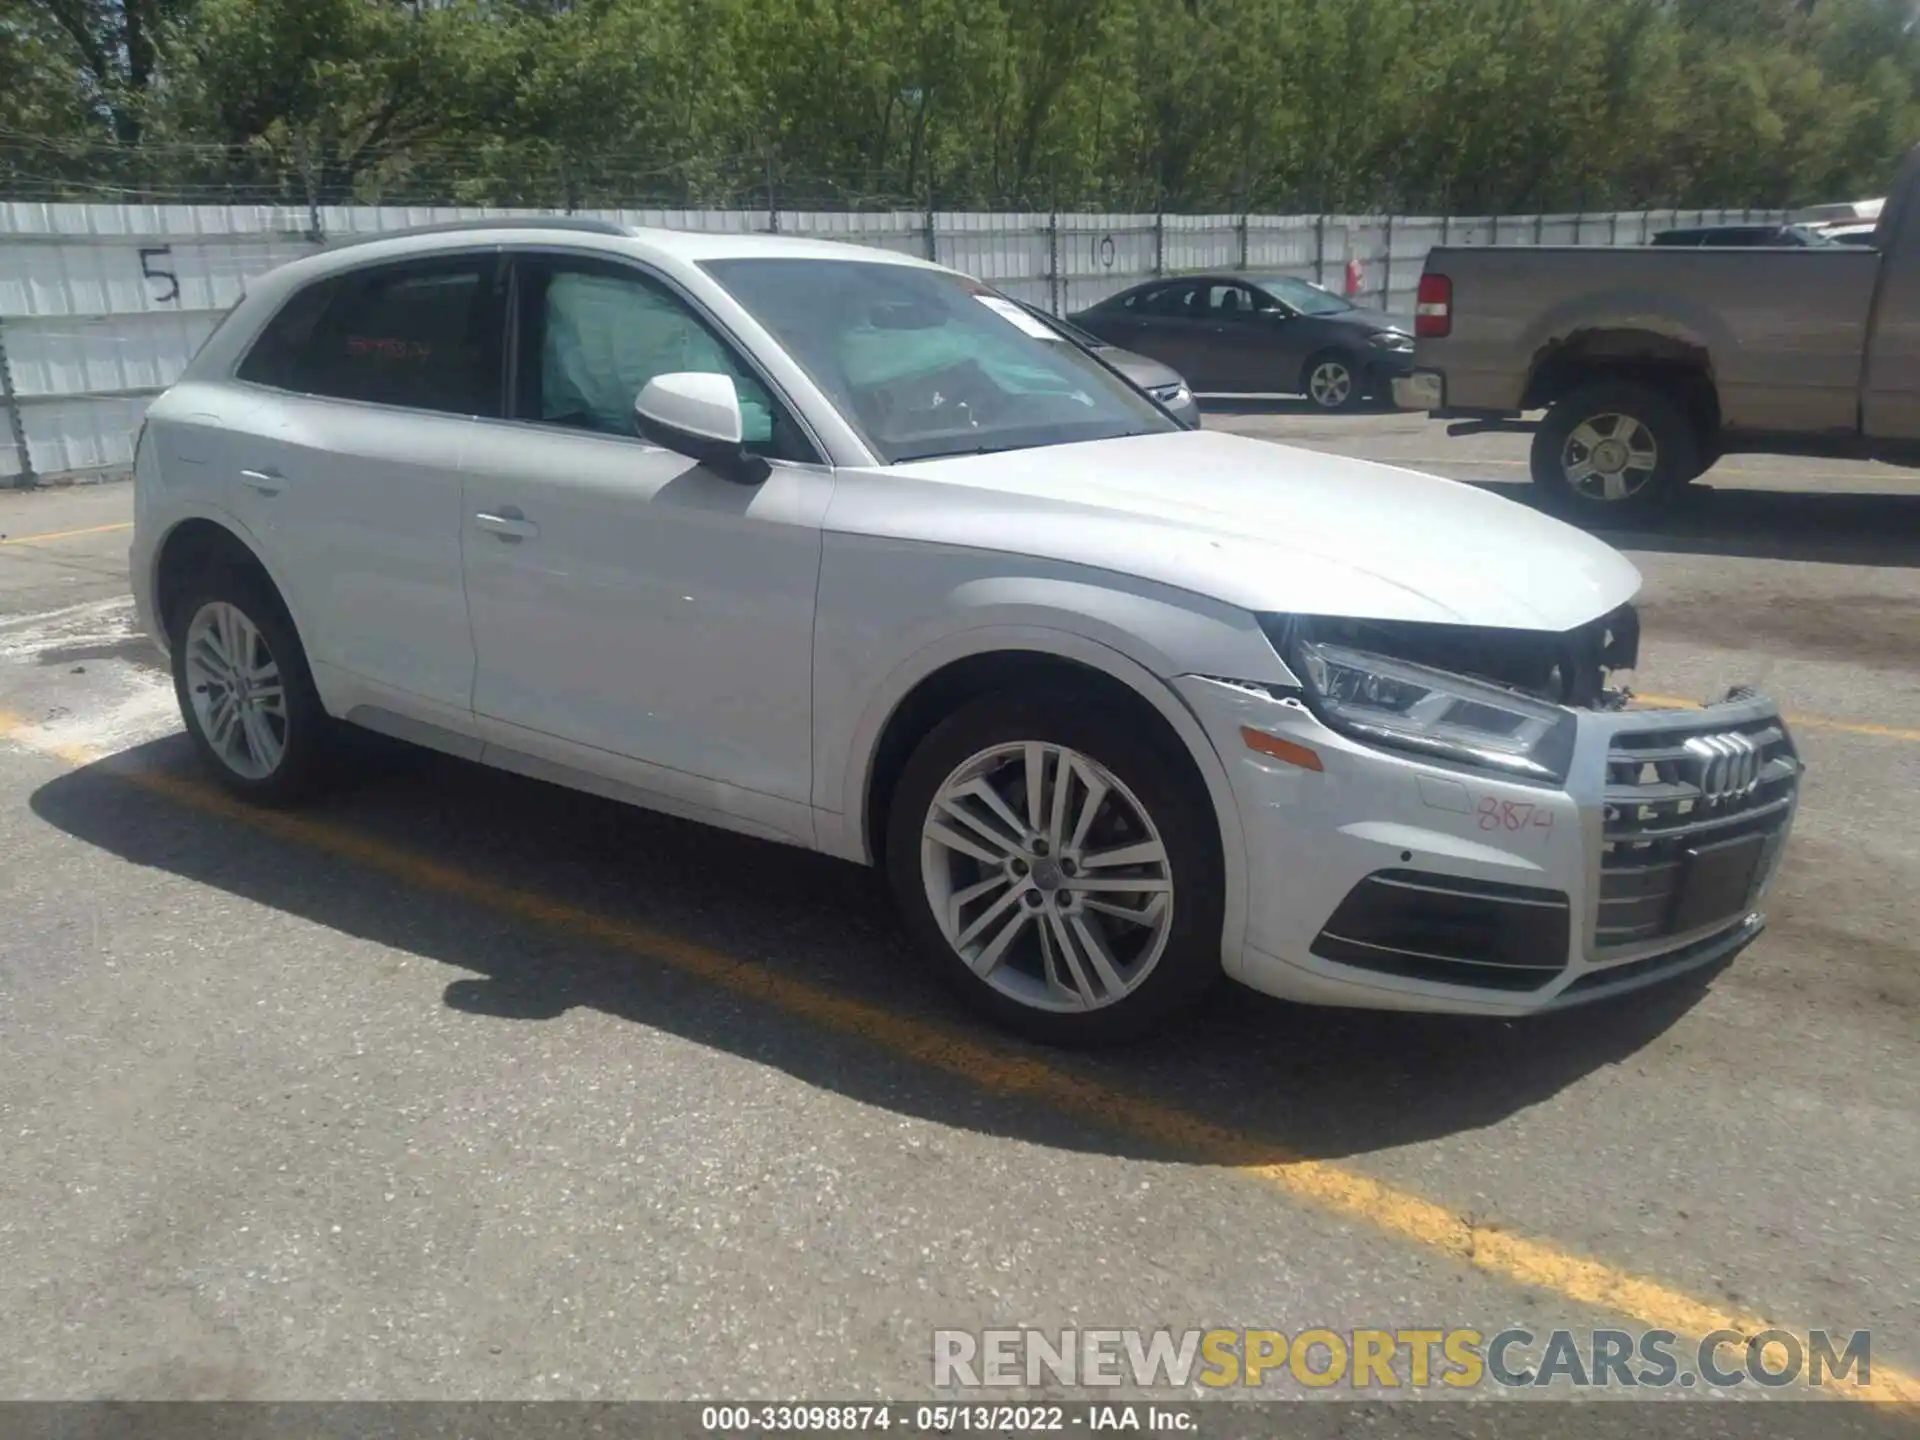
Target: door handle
511,528
267,482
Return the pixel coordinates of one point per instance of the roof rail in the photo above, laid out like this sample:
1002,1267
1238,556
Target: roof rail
587,223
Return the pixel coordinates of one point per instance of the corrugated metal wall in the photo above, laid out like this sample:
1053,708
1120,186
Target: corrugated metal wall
101,306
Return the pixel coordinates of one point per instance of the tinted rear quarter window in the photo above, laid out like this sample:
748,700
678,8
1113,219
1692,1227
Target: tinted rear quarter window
425,335
276,355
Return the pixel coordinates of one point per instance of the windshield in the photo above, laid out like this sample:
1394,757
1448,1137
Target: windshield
1067,328
1301,295
925,363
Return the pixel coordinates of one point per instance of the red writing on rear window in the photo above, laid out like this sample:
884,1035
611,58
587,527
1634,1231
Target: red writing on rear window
361,345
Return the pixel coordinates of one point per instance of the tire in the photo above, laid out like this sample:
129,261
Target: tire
232,751
1157,965
1319,382
1658,454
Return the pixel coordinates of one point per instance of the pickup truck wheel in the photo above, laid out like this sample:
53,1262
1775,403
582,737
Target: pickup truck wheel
1613,451
1058,873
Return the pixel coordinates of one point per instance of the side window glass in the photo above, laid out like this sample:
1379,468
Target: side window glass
424,335
596,337
1229,302
1173,300
277,353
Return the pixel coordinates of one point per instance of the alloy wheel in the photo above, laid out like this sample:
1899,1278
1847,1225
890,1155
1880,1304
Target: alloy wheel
234,685
1047,876
1610,457
1330,385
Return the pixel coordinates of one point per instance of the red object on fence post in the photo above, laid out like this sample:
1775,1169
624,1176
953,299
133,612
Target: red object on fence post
1356,277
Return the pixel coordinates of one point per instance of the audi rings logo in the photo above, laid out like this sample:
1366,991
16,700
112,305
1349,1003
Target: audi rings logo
1726,767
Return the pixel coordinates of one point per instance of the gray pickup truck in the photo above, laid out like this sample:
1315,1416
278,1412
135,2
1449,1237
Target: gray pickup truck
1653,362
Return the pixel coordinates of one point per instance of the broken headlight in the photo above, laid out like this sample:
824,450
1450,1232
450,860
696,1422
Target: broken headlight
1446,716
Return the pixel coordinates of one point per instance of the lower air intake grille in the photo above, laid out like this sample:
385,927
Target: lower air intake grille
1444,928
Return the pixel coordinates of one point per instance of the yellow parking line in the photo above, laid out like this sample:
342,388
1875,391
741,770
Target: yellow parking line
64,534
1535,1263
1805,722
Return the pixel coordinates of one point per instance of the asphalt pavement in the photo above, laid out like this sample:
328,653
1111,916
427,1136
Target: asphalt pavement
456,1085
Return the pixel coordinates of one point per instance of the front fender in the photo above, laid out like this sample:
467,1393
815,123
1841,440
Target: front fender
889,616
849,838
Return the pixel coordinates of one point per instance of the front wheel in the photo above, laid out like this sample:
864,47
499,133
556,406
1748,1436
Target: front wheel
1333,382
1613,451
1059,872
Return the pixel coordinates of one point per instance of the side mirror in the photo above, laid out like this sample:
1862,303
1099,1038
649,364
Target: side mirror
697,414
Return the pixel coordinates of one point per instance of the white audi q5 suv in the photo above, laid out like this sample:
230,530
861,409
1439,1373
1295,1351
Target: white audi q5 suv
846,550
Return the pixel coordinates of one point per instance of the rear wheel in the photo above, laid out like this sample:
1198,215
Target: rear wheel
245,692
1613,451
1060,874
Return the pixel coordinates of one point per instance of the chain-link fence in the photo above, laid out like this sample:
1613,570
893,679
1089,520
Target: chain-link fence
102,305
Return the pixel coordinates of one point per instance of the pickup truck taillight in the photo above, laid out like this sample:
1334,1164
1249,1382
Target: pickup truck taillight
1433,311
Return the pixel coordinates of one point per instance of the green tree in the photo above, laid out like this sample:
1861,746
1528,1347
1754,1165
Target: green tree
114,50
1471,106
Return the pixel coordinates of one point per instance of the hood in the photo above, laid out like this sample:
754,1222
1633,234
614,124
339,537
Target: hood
1256,525
1142,370
1370,320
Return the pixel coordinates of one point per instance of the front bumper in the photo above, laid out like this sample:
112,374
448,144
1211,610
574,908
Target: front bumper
1386,369
1384,881
1420,390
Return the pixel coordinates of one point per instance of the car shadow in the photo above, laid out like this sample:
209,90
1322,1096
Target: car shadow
1841,527
1301,1082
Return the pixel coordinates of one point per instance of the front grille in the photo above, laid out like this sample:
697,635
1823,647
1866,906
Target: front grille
1675,798
1425,926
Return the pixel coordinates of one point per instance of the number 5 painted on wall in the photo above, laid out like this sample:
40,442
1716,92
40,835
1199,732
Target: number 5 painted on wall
173,281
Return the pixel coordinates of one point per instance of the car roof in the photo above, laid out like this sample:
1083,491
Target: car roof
1201,277
1733,227
688,245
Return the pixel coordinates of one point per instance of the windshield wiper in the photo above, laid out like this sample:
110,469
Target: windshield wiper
995,447
965,450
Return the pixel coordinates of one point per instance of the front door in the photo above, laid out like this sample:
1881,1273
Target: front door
634,613
1249,350
346,469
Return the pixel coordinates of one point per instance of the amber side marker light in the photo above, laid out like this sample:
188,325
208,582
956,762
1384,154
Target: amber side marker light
1279,749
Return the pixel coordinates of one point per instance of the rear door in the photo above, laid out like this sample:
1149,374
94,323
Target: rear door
347,471
1168,323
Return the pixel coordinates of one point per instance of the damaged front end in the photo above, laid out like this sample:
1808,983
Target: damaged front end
1495,700
1569,667
1580,848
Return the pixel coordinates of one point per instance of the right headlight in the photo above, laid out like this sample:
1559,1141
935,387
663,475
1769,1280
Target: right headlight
1406,706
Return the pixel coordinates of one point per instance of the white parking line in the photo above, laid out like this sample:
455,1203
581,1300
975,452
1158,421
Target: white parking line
118,705
96,622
